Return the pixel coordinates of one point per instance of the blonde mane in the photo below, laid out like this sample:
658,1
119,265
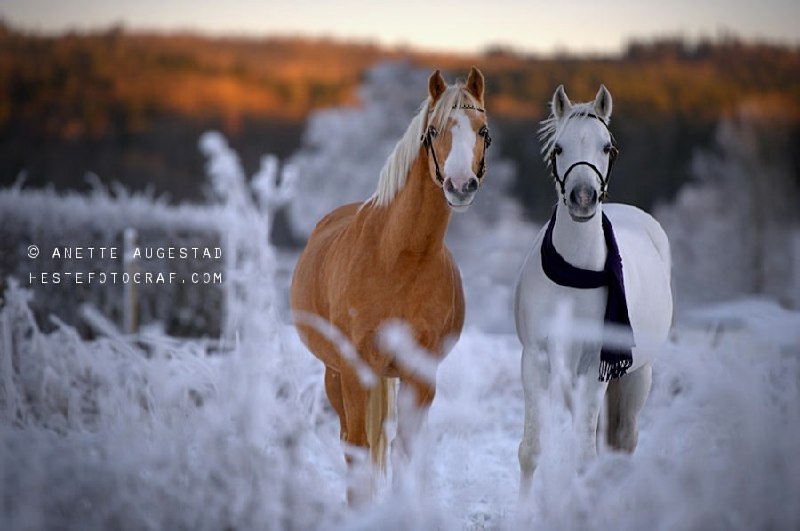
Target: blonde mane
552,127
397,166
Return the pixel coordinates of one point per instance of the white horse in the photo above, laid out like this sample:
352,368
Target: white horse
576,261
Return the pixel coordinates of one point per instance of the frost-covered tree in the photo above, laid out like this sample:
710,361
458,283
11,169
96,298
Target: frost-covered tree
244,223
343,149
736,229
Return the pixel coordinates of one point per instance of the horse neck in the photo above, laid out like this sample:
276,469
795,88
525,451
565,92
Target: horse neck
416,220
581,244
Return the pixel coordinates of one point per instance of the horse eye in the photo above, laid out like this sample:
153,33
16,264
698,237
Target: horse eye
607,149
433,132
557,149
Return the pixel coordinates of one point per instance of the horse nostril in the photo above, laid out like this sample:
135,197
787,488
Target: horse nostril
471,186
583,196
448,185
573,197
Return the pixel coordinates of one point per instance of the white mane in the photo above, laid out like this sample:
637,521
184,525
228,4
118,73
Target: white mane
396,168
552,127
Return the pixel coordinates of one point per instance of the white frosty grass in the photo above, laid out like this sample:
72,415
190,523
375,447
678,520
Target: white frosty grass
149,433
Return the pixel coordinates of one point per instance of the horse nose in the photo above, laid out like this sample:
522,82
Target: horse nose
583,196
471,186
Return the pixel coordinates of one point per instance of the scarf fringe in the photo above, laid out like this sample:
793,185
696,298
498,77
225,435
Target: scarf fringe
610,370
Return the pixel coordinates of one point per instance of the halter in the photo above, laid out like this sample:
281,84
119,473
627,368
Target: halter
612,155
431,133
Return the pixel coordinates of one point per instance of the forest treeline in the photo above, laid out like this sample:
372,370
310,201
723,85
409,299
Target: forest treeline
130,106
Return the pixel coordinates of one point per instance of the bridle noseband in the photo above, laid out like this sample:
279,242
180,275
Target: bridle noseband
431,133
612,155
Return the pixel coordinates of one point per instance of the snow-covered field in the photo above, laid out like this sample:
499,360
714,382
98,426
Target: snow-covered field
158,434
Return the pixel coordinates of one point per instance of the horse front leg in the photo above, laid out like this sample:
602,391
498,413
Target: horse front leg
587,403
333,389
625,399
416,356
354,405
535,377
414,398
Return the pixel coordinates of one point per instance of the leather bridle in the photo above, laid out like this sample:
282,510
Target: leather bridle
613,151
431,133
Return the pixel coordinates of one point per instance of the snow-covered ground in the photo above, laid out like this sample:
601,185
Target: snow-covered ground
160,434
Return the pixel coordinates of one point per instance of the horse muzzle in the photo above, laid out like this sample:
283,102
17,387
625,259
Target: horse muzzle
582,202
460,193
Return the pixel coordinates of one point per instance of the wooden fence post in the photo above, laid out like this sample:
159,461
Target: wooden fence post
131,289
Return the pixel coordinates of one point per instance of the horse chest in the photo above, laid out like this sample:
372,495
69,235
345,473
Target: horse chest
425,294
538,299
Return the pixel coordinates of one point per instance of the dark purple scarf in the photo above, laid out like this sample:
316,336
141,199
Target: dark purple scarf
614,362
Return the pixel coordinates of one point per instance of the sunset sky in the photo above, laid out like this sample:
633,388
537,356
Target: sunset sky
464,25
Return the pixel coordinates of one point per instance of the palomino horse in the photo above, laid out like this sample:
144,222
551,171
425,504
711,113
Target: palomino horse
367,264
611,263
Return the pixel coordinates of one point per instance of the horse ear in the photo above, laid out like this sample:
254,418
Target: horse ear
436,86
603,103
561,104
475,84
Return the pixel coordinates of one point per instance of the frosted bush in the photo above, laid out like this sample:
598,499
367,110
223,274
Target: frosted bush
247,211
152,434
57,220
343,149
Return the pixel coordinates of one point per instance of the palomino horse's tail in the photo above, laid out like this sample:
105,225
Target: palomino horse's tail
379,409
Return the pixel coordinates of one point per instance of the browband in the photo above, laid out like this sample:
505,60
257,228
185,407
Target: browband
469,106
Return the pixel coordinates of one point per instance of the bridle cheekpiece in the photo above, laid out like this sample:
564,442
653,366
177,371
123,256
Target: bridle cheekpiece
431,133
613,151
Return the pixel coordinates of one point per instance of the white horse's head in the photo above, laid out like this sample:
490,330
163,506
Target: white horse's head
580,150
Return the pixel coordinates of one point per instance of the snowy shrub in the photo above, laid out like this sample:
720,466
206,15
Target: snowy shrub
343,149
149,435
150,432
191,302
247,211
53,221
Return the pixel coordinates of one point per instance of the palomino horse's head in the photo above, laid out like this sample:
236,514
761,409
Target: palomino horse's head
456,135
580,150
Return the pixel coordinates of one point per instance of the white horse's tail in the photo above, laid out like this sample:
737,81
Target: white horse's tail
379,410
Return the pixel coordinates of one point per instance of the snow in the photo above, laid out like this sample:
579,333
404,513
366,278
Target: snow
160,434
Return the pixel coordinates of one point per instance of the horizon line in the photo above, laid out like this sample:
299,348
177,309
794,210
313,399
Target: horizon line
721,37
